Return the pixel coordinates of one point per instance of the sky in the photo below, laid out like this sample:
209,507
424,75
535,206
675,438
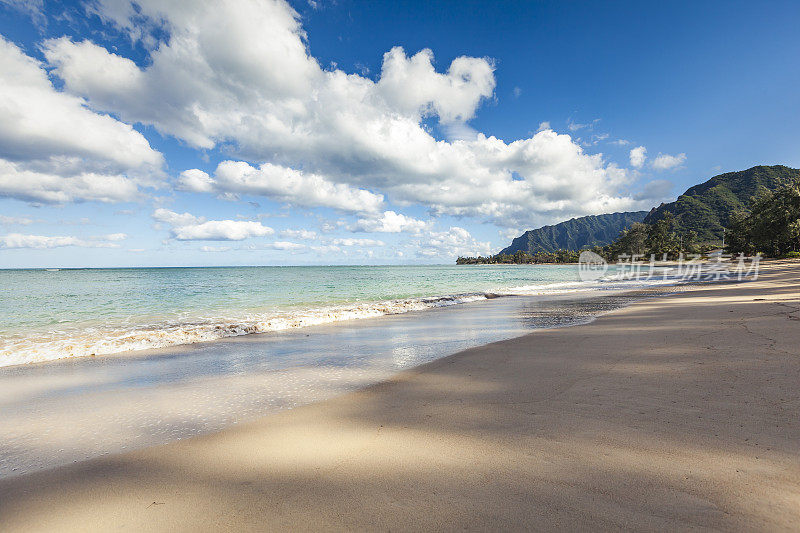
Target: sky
261,132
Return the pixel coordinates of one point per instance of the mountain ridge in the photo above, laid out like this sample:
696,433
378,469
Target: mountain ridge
704,208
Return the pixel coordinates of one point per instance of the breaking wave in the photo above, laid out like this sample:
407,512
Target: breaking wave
18,349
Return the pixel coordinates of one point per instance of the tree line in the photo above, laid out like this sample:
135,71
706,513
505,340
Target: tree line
772,227
522,258
663,239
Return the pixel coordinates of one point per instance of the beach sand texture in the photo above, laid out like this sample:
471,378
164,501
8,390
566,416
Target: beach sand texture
674,413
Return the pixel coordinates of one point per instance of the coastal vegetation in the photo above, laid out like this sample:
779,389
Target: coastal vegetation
520,257
707,208
772,227
662,238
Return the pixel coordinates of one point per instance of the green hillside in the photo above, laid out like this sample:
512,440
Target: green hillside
575,234
707,208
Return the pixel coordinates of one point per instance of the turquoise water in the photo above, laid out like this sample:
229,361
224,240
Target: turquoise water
53,314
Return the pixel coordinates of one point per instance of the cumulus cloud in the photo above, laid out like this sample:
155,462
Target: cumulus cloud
187,227
451,243
19,240
221,230
282,184
390,222
54,149
175,219
667,161
240,75
412,85
638,156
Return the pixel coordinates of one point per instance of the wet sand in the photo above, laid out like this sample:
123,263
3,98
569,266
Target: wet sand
674,413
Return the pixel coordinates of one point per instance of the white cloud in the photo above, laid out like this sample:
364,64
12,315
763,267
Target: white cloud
510,233
412,85
357,242
390,222
19,221
214,248
638,156
285,245
221,230
115,237
459,131
187,227
195,180
175,219
517,92
543,126
327,249
451,243
666,161
240,75
282,184
298,234
54,149
655,191
19,240
594,139
574,126
32,8
21,181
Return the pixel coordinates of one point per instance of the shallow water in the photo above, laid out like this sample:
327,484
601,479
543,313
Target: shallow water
48,315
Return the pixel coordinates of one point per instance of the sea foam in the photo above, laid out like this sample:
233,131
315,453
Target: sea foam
93,341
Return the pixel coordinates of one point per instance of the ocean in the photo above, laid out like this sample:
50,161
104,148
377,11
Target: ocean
55,314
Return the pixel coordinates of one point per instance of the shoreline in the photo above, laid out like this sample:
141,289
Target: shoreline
99,337
72,410
138,338
670,412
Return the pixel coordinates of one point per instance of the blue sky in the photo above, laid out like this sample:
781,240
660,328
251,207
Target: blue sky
261,132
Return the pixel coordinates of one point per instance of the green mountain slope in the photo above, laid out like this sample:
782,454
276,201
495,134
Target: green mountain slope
706,208
575,234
